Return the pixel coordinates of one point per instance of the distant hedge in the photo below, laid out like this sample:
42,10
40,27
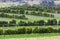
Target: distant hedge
3,15
29,30
51,22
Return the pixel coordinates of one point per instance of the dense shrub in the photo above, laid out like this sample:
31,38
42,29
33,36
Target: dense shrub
50,29
20,9
3,23
34,10
21,30
29,30
52,22
41,22
22,23
55,31
58,30
36,30
1,31
13,16
12,23
42,30
10,31
29,23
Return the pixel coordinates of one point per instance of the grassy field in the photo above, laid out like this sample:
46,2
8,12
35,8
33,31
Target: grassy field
30,36
36,38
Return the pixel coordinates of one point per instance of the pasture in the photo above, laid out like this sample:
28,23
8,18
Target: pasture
44,36
39,38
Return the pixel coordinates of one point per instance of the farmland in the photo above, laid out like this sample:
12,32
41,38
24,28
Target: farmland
33,14
29,22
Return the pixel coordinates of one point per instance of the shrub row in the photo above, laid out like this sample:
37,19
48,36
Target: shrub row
34,10
20,9
40,14
28,23
29,30
13,16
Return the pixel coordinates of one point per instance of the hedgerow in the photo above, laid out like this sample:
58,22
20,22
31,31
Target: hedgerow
29,30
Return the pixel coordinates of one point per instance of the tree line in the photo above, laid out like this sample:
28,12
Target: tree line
35,23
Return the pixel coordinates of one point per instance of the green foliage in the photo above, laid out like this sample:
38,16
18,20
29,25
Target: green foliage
13,16
34,10
52,22
29,30
50,29
28,23
1,31
43,30
36,30
21,30
10,31
20,9
58,30
12,23
55,31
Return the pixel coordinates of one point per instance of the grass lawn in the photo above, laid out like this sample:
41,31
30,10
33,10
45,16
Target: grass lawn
36,38
45,36
29,35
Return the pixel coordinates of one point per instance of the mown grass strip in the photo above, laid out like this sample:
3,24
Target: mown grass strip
29,35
